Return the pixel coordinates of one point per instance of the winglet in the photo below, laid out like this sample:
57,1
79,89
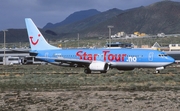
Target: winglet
36,39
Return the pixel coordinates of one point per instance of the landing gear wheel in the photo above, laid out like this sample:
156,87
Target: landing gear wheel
103,71
87,71
157,71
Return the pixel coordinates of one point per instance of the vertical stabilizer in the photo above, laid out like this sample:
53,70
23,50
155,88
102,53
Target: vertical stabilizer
36,39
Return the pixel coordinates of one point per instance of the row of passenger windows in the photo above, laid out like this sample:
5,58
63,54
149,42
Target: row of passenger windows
73,56
138,56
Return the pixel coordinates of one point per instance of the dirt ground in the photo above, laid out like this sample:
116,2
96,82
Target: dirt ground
144,91
90,101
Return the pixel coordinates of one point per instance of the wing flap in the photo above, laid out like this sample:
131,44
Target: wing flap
65,60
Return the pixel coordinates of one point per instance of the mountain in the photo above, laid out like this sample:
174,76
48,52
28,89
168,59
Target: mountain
20,35
159,17
76,16
14,35
78,26
156,18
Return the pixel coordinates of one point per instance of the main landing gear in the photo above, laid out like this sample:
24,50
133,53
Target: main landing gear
103,71
157,71
88,71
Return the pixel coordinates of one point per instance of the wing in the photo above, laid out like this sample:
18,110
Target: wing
72,62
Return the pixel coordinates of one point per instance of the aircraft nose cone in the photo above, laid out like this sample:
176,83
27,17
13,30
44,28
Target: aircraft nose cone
171,60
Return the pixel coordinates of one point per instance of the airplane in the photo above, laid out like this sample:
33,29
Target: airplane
100,59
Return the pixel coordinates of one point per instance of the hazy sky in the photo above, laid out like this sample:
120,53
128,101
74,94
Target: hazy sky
13,12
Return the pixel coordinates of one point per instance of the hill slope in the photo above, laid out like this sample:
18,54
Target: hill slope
156,18
86,23
76,16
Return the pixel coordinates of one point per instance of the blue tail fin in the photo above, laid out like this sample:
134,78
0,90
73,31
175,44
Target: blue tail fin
36,39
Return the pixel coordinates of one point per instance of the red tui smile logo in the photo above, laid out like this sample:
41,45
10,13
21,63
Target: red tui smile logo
34,42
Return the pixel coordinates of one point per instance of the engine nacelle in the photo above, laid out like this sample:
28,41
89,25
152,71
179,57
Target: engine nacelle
99,66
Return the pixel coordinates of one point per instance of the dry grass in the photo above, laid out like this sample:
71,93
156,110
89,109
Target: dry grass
44,77
53,88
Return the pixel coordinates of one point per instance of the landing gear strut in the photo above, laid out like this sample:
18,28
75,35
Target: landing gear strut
103,71
157,71
88,71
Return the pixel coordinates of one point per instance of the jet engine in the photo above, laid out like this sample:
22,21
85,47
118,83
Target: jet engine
99,66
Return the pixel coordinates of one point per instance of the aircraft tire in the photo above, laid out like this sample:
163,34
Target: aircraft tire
157,71
87,71
103,71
